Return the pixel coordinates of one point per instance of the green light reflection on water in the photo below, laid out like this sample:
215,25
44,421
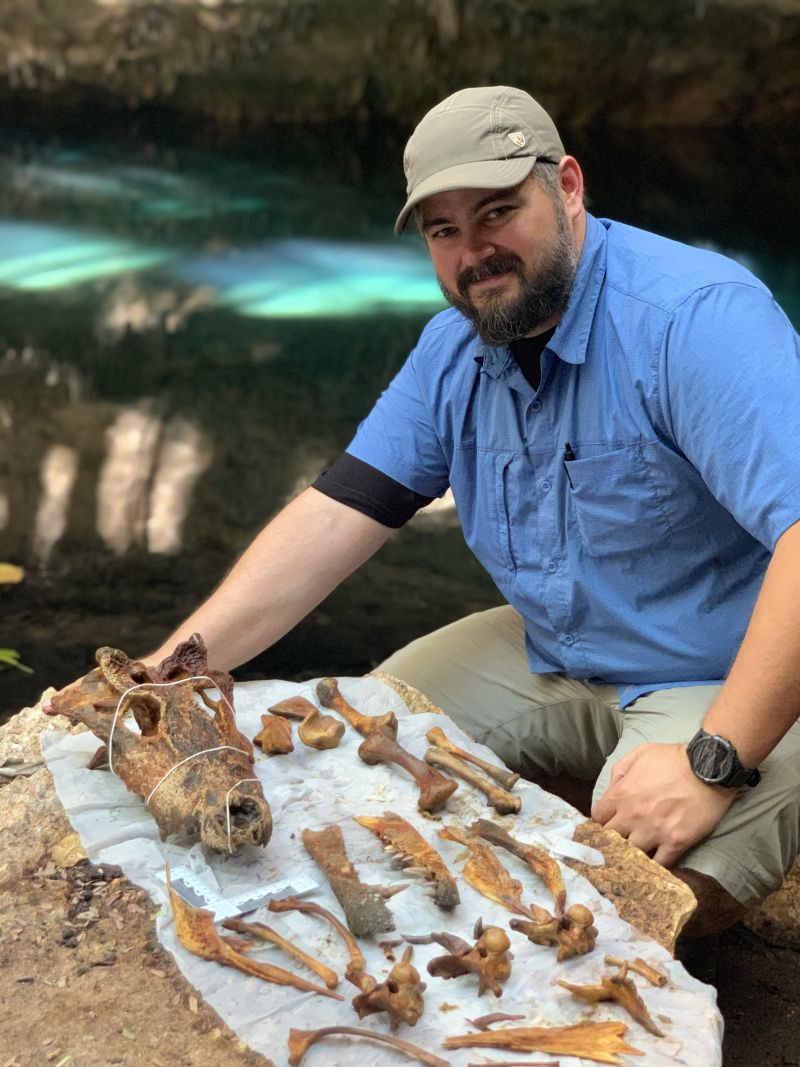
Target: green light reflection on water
52,257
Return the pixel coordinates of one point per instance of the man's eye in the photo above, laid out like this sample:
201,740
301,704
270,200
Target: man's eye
442,231
497,212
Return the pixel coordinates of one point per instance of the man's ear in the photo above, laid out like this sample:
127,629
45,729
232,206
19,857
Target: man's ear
571,177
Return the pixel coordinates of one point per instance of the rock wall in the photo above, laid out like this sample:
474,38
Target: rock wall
688,63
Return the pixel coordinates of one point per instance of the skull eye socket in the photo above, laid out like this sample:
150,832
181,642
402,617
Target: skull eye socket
146,710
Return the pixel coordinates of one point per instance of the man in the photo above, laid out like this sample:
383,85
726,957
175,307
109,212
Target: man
617,416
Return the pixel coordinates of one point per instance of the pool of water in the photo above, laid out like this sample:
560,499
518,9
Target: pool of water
192,324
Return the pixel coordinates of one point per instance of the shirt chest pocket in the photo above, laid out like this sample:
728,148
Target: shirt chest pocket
625,501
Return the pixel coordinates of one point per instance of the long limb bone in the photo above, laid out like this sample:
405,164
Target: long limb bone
364,905
412,850
486,873
601,1042
315,730
434,788
329,697
266,933
540,862
619,988
505,778
300,1041
504,803
357,962
195,930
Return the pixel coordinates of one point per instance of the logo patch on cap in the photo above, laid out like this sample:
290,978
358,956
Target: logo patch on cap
518,138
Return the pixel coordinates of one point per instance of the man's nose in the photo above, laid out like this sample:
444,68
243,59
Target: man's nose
476,248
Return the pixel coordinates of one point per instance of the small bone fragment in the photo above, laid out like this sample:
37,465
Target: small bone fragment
315,730
504,803
364,905
593,1041
195,930
487,874
389,945
400,995
329,697
266,933
411,848
574,932
483,1022
308,907
506,778
300,1041
540,862
489,958
620,988
641,967
275,736
434,788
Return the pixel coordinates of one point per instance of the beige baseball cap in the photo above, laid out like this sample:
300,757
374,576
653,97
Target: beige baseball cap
483,138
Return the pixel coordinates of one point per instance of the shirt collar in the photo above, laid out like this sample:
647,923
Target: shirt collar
572,334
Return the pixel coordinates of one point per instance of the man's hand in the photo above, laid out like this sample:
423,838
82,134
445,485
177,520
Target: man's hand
656,802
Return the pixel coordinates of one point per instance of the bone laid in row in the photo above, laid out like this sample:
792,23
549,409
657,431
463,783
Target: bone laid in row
363,905
503,802
434,788
507,779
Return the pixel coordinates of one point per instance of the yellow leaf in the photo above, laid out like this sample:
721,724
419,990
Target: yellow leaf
10,574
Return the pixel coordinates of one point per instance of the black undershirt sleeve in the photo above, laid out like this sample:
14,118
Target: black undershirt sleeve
360,486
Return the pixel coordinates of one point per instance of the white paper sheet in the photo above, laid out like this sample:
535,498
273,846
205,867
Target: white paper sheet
309,789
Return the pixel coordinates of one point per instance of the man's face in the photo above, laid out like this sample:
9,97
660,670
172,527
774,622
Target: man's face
506,259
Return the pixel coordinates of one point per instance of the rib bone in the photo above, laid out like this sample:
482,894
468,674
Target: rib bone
364,905
266,933
357,962
434,788
315,730
300,1041
329,697
507,779
503,802
539,861
195,930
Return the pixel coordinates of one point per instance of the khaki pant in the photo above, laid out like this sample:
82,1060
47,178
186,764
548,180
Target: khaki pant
477,671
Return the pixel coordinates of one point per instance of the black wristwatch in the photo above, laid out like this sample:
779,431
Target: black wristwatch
715,761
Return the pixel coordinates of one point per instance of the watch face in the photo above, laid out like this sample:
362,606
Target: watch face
712,759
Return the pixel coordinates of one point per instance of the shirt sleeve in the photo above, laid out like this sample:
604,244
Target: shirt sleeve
729,383
399,436
360,486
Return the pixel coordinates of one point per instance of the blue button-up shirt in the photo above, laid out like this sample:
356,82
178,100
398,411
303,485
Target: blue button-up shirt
675,378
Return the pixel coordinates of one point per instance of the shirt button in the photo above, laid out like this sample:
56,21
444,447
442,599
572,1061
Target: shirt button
545,487
569,639
552,566
536,405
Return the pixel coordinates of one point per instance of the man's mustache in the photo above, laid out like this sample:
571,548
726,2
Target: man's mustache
490,268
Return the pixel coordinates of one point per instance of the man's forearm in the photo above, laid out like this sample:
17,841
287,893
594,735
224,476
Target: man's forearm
761,696
293,564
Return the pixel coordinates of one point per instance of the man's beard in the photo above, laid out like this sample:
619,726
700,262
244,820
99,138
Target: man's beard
544,289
